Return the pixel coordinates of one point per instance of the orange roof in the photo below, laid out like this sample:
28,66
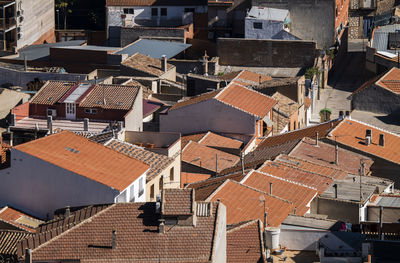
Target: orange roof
205,157
352,133
248,76
244,203
299,195
237,96
188,178
214,140
19,219
246,100
87,158
391,80
314,180
191,137
335,173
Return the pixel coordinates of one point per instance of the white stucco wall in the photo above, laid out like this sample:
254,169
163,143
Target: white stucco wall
208,115
38,187
144,13
294,239
219,251
131,193
134,118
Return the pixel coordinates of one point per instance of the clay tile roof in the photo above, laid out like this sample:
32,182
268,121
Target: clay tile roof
205,157
324,154
335,173
246,100
137,235
178,202
52,92
245,243
229,76
114,96
257,157
296,193
245,203
314,180
203,189
9,240
251,78
391,81
323,130
87,158
192,137
195,99
189,178
157,162
215,140
18,219
146,64
154,2
352,134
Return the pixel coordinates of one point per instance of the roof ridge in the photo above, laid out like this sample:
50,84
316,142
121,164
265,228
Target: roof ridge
73,227
308,161
286,180
250,222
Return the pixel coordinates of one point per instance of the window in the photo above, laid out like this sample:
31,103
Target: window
171,174
257,25
128,11
141,188
163,11
132,193
189,10
161,183
154,12
152,191
90,111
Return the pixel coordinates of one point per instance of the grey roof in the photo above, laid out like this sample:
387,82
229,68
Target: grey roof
154,48
41,51
388,201
381,37
348,189
267,13
90,47
309,221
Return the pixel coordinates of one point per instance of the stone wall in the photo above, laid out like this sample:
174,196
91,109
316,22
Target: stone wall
266,53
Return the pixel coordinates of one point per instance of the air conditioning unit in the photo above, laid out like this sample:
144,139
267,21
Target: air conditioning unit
52,112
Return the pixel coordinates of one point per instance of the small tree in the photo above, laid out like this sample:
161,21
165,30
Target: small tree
311,72
64,7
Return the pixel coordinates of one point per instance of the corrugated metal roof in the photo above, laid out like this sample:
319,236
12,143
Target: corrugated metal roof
154,48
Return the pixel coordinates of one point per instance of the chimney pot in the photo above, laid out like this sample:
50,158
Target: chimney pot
348,115
161,227
86,124
114,239
341,114
382,140
265,219
336,154
164,63
335,186
316,139
67,212
50,124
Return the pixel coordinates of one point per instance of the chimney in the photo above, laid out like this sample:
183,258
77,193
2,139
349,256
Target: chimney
316,139
336,154
161,227
242,161
294,210
270,188
86,124
13,121
265,219
368,137
259,79
67,212
335,186
341,115
114,239
164,63
382,140
205,61
28,255
348,115
50,124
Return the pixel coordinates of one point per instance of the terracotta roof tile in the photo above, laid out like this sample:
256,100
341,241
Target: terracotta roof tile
84,157
137,236
52,92
391,80
245,203
323,130
146,64
245,243
178,202
215,140
324,154
205,157
246,100
335,173
189,178
314,180
352,134
252,77
299,195
195,99
9,240
18,219
192,137
205,188
157,162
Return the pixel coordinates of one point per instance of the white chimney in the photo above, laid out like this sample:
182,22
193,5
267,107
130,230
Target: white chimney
164,63
50,124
